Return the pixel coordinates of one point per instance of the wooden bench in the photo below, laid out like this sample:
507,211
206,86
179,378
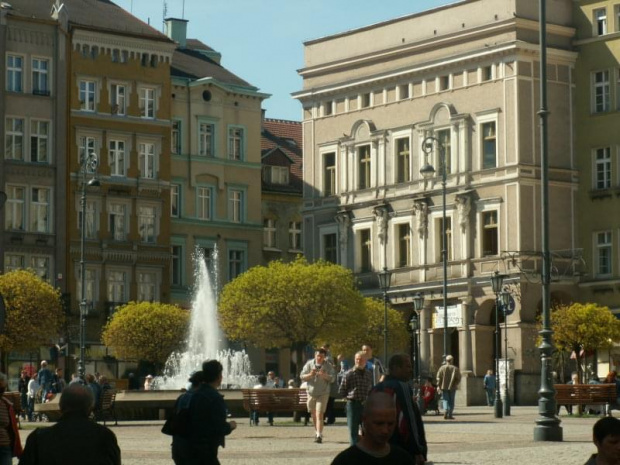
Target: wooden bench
106,406
586,394
16,399
274,400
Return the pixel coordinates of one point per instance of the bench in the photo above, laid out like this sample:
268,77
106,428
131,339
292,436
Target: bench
586,394
16,399
106,406
274,400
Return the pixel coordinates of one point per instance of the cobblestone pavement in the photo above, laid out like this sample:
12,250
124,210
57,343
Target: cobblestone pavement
476,437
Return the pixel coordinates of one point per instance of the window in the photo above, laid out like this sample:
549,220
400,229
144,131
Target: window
175,139
87,145
329,174
403,160
235,205
490,234
601,91
13,262
146,224
363,154
117,286
14,139
205,140
489,146
15,208
445,141
444,83
40,210
328,108
487,73
90,281
404,244
147,102
41,266
235,144
117,158
146,158
403,92
617,11
177,265
204,203
87,95
40,80
175,200
276,174
365,250
117,222
603,168
603,252
91,219
294,235
439,239
236,259
600,21
39,138
119,99
269,233
14,73
147,287
330,248
366,100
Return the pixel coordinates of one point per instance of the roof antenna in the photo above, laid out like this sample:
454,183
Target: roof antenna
183,11
165,16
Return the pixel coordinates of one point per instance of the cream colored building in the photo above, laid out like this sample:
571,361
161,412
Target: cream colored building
466,74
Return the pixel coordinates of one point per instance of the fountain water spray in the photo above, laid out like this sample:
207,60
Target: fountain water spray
205,340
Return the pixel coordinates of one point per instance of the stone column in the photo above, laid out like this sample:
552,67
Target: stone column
425,340
465,355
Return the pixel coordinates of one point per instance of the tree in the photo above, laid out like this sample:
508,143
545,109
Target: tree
584,327
292,305
34,312
148,331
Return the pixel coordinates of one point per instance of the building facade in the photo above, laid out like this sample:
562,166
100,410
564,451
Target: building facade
467,76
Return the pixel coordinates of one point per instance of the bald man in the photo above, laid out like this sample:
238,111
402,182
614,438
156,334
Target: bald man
378,423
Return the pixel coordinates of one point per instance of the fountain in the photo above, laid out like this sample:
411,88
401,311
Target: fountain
205,340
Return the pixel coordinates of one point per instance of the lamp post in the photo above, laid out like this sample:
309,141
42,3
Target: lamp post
427,172
418,305
505,298
496,282
89,165
385,279
414,324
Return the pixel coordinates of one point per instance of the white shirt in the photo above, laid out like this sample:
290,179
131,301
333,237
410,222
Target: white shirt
33,387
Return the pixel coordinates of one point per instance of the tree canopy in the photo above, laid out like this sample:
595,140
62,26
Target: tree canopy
298,303
34,312
148,331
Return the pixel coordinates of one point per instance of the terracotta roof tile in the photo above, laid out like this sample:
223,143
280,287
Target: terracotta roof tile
283,137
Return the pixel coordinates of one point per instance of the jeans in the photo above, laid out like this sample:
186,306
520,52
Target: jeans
354,419
256,415
448,401
490,396
6,456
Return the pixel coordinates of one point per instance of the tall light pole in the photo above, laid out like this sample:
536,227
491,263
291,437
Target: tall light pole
418,305
497,280
427,172
505,299
385,280
89,164
548,424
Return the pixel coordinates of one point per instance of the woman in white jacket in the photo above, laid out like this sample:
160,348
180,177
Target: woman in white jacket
33,387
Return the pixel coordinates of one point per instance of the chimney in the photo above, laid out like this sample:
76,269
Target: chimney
176,29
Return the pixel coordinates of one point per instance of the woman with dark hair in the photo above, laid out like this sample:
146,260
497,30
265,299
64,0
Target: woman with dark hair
10,444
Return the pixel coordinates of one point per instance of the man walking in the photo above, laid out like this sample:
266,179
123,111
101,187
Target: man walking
409,432
356,384
45,380
373,364
448,379
606,438
318,373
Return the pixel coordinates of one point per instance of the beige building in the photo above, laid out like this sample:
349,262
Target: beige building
467,75
596,120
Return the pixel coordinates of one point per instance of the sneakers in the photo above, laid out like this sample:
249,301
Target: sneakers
318,439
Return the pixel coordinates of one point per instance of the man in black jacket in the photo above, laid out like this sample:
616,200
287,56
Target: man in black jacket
75,439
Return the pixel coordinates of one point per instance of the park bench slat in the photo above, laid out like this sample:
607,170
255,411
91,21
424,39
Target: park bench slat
274,400
586,394
16,399
106,406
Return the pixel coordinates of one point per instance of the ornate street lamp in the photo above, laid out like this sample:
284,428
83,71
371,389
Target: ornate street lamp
89,165
505,298
428,171
418,305
385,280
497,280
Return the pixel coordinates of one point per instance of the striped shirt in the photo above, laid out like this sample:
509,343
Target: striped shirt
356,384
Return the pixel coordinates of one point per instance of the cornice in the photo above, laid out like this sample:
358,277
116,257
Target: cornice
122,42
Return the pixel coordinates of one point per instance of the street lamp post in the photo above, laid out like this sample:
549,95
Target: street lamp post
428,171
385,279
89,164
414,324
418,305
496,282
505,298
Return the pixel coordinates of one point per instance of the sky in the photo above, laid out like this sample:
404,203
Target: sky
261,41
